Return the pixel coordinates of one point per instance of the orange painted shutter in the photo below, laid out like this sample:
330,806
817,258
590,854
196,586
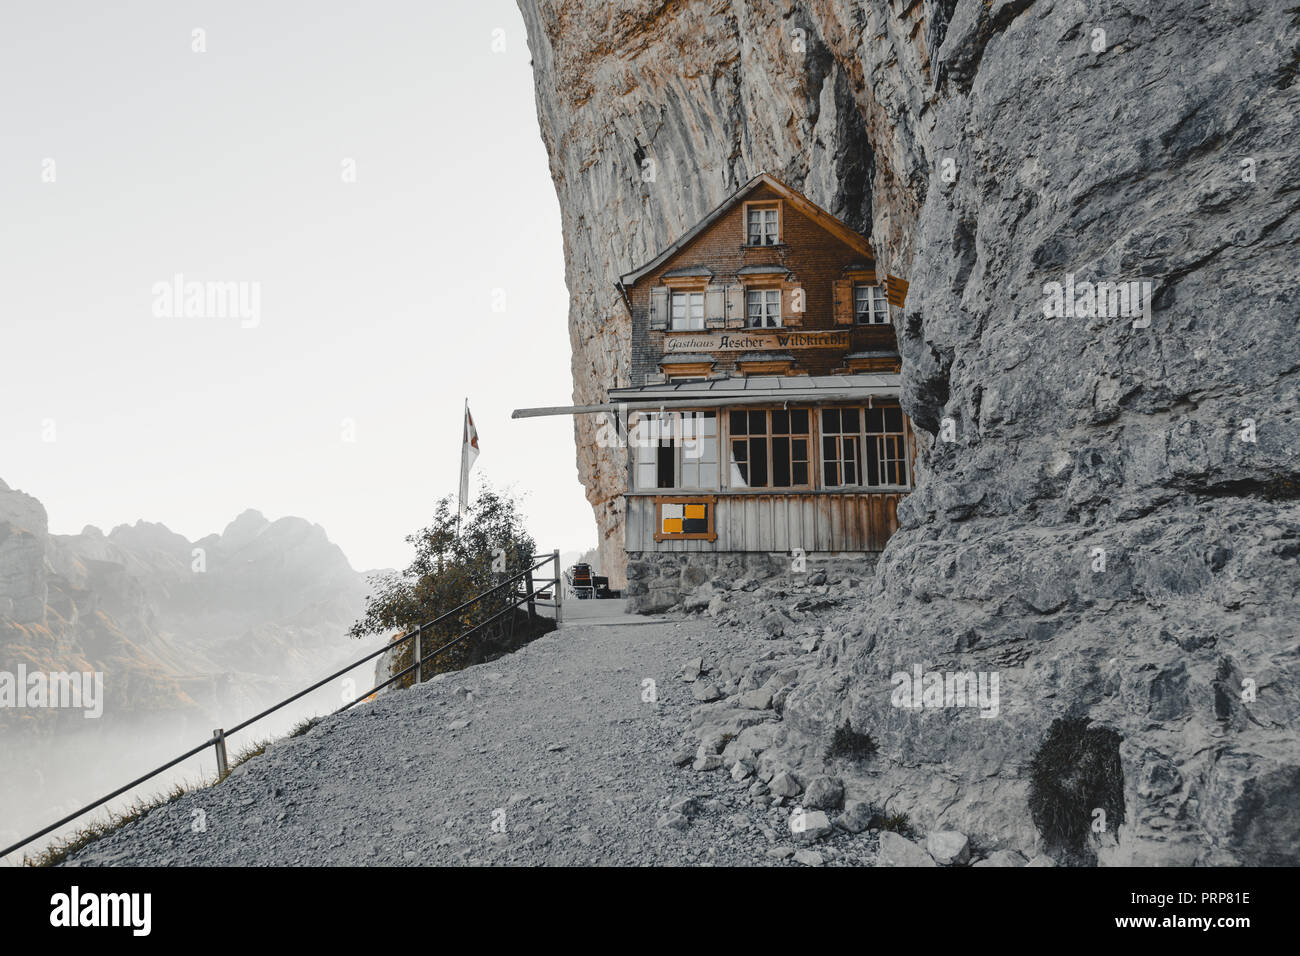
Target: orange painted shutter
895,291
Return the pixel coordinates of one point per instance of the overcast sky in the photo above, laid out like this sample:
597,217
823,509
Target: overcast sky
376,297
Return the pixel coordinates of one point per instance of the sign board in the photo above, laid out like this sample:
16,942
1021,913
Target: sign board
767,341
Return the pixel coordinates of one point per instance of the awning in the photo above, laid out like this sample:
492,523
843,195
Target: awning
749,390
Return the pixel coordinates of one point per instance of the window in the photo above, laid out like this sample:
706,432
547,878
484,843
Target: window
870,307
872,455
684,518
688,311
764,309
886,462
841,446
676,450
769,448
763,227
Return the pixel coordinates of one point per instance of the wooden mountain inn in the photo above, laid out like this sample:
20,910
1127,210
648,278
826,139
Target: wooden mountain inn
764,415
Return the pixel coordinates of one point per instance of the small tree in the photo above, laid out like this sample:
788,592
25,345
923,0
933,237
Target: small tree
449,569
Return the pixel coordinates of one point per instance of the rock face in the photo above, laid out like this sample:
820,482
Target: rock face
1106,515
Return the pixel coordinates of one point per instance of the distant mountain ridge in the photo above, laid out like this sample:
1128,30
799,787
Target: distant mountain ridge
182,630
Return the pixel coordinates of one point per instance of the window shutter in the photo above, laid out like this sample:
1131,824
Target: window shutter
659,307
715,307
843,301
735,307
793,304
895,290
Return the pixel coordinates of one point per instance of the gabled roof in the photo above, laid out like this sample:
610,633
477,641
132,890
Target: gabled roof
810,209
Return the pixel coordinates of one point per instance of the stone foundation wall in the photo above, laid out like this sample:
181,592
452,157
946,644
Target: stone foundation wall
659,580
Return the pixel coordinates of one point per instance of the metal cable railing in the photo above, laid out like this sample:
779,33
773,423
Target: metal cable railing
218,738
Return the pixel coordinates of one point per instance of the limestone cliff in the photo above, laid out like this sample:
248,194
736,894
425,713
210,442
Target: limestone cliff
1114,527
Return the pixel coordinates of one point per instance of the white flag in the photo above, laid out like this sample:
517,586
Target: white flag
468,454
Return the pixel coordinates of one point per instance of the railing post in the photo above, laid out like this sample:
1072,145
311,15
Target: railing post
532,607
419,654
223,767
559,589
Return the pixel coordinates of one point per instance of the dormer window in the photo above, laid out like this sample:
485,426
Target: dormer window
762,223
688,311
870,307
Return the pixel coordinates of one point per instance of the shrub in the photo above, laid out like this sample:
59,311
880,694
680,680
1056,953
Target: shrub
454,561
1074,772
850,744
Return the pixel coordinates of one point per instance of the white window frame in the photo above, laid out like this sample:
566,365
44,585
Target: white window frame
686,321
766,318
695,450
877,311
768,216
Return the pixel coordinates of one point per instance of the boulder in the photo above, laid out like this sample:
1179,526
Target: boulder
896,850
824,793
760,699
672,821
784,784
948,847
705,692
856,816
698,599
809,826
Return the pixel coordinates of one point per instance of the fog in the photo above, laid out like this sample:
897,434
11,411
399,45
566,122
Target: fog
47,778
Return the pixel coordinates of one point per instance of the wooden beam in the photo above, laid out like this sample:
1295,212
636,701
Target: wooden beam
562,410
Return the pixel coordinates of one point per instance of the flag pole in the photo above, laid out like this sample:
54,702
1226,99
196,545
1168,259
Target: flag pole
464,428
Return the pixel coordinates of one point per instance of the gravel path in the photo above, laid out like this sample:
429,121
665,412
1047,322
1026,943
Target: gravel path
559,747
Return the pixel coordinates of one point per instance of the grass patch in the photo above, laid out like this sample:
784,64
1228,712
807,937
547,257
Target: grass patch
303,726
60,850
1075,772
847,743
893,822
255,749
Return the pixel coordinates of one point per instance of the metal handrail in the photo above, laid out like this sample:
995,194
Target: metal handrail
218,738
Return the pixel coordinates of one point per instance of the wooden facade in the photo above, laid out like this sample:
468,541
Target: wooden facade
825,521
765,335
